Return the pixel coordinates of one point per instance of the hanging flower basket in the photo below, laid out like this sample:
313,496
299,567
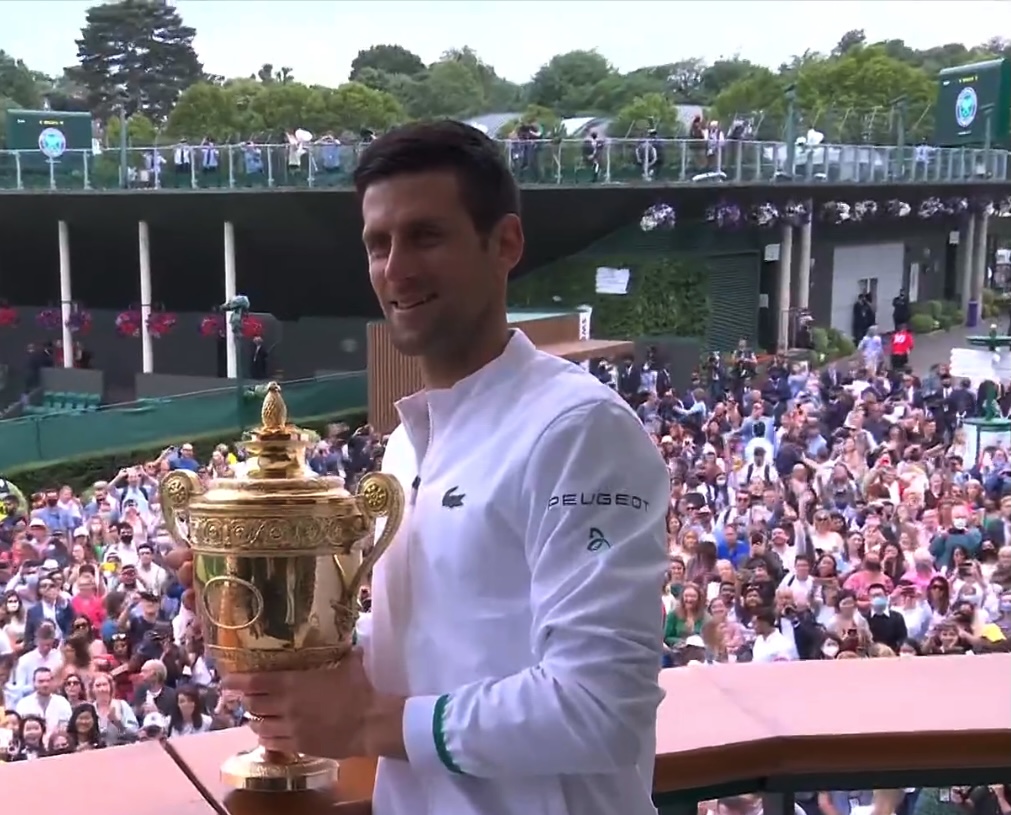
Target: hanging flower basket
213,325
128,323
8,315
48,319
160,323
79,321
251,327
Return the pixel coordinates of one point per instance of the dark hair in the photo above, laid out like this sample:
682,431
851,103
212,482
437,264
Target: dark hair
487,187
177,722
93,736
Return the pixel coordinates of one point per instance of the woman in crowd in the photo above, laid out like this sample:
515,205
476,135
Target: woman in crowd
82,730
189,715
31,740
117,723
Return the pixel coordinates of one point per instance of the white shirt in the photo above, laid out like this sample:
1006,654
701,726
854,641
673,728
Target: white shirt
774,648
56,713
528,574
24,674
153,577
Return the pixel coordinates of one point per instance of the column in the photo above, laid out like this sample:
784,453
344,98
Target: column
783,307
804,261
66,296
144,251
967,241
231,351
979,262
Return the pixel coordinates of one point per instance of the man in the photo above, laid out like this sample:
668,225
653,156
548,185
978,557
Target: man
45,654
52,707
258,360
52,608
149,574
512,663
888,627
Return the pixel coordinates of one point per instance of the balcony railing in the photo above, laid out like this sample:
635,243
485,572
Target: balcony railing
779,731
662,162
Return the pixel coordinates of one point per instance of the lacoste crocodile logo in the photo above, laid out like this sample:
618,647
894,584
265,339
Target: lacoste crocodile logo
453,499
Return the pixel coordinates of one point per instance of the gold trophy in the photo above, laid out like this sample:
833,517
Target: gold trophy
278,562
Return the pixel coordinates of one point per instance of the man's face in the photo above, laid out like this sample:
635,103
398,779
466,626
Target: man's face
48,590
437,279
145,557
10,505
85,584
43,683
45,644
128,575
149,608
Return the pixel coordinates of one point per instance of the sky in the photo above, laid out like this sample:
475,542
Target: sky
319,38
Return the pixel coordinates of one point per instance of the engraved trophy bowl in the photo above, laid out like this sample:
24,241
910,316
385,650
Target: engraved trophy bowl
279,556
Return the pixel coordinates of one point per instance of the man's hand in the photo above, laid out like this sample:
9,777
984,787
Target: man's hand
331,713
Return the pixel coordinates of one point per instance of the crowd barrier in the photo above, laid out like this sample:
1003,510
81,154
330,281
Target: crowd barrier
549,161
31,440
774,730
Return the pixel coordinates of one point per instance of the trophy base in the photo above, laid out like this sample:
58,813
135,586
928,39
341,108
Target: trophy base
260,770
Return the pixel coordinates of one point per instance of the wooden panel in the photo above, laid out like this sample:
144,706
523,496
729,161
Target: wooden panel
393,376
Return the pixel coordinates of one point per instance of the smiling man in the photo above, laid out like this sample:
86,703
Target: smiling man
511,664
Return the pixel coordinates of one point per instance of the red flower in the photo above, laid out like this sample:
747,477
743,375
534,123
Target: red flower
160,323
128,323
251,327
213,325
8,317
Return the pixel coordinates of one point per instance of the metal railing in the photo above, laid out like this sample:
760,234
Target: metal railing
617,161
27,441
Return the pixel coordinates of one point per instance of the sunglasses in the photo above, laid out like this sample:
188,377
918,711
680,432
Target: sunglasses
70,682
44,586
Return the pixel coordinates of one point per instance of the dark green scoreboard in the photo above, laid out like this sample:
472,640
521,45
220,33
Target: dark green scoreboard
968,98
24,127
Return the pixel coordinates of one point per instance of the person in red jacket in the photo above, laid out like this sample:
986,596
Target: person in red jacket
902,345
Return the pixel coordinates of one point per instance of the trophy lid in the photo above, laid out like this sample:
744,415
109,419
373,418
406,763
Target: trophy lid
278,445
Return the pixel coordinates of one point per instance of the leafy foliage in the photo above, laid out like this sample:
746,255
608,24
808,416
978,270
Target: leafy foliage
137,53
666,296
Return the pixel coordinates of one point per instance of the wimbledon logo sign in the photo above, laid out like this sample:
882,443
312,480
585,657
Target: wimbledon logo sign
966,106
52,142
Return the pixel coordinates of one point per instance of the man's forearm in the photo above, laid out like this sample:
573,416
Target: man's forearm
384,728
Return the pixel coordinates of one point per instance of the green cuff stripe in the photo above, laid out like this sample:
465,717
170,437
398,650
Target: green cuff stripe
439,735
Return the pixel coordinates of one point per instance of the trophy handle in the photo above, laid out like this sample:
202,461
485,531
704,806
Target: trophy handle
380,496
175,492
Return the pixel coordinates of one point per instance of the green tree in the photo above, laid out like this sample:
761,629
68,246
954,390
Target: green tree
450,88
759,94
18,84
248,109
267,74
140,131
545,118
651,110
565,84
390,59
136,52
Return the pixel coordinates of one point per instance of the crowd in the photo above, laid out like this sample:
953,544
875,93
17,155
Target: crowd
830,515
826,516
99,644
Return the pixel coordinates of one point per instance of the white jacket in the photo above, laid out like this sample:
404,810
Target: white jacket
518,608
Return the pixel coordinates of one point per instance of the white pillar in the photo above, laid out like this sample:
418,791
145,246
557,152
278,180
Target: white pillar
804,262
66,296
144,250
785,257
979,261
967,239
231,351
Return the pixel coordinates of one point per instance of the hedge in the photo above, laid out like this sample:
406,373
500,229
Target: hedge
81,473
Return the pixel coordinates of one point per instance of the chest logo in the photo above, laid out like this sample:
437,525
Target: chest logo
597,541
453,499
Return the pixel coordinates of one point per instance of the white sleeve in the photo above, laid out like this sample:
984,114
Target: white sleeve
592,508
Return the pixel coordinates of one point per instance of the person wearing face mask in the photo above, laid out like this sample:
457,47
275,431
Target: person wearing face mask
55,517
960,534
888,627
1003,620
